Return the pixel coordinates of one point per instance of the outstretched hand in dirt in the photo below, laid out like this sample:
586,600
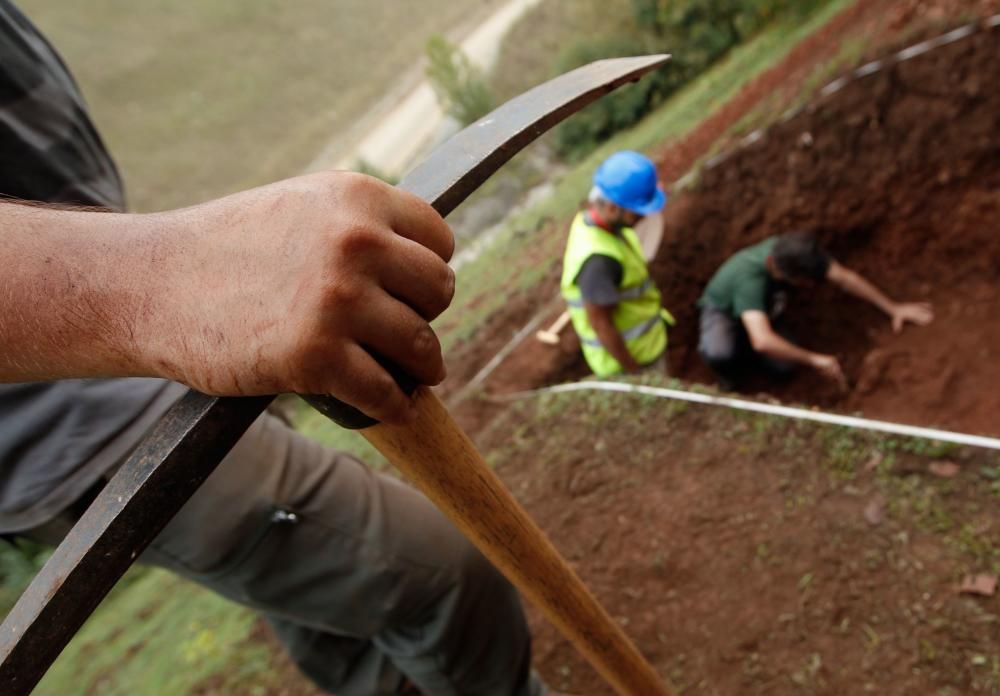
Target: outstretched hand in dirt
919,313
829,367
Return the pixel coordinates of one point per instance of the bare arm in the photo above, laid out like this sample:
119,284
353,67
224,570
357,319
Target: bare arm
600,318
854,283
281,288
71,298
765,340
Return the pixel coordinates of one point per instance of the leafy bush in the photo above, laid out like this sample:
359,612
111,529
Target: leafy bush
696,32
615,112
460,87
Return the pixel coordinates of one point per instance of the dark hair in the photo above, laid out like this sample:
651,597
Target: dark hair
799,255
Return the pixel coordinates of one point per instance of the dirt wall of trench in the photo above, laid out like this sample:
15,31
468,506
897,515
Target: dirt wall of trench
899,173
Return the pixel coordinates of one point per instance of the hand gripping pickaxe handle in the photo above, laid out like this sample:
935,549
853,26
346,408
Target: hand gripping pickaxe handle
195,435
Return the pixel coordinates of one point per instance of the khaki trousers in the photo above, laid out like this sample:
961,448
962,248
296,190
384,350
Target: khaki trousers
363,580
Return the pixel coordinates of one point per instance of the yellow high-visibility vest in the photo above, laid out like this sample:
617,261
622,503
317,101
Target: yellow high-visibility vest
638,316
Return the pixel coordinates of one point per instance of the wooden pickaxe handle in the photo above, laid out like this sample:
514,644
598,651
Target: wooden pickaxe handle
442,462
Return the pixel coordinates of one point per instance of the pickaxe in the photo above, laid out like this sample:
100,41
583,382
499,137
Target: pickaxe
433,452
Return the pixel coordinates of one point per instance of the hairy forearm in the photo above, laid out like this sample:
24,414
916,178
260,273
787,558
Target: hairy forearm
286,287
857,285
777,347
74,293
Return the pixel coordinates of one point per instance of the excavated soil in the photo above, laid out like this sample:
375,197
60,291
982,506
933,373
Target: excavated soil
899,173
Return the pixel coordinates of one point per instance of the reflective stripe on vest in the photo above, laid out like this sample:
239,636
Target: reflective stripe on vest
632,293
627,334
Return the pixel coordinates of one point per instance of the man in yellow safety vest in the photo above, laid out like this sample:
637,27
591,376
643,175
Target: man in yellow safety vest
613,303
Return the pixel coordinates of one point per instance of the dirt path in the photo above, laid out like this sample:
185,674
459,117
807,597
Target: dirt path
396,131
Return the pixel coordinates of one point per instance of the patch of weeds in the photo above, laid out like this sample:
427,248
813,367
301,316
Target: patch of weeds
994,682
752,666
793,443
871,638
762,427
932,449
931,513
972,543
886,465
763,551
913,496
809,672
844,450
799,501
922,447
186,636
551,405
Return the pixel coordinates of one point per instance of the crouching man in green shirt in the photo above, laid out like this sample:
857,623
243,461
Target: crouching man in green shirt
748,294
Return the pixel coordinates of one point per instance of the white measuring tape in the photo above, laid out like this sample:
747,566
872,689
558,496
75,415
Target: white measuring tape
758,407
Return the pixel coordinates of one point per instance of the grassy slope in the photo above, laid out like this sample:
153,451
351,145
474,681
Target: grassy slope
158,636
166,634
209,97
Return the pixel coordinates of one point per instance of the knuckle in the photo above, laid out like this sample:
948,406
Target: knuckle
309,360
425,342
348,185
357,240
382,393
448,242
448,286
441,290
343,293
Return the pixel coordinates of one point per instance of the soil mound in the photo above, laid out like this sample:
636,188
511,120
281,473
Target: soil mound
899,173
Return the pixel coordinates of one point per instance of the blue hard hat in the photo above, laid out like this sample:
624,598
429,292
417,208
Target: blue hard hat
628,179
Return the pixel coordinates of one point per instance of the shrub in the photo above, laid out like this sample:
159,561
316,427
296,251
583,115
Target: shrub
696,32
460,87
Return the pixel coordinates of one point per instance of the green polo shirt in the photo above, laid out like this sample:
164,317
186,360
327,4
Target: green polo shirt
742,283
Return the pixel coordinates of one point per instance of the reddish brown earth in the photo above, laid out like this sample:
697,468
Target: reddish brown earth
900,174
747,556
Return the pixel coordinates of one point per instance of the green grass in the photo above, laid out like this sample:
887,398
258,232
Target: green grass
318,427
161,636
209,97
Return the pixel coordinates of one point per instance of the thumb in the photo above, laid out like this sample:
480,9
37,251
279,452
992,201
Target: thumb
897,323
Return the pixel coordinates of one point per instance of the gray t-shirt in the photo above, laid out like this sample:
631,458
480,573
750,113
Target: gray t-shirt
57,439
